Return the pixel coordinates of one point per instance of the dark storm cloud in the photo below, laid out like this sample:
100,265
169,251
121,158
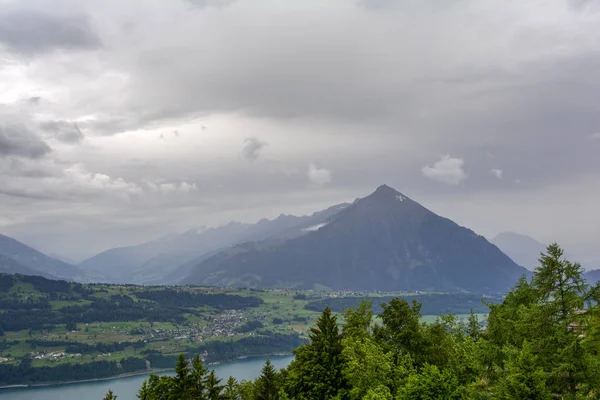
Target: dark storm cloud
18,140
32,32
65,131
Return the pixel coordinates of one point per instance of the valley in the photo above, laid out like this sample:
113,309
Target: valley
55,331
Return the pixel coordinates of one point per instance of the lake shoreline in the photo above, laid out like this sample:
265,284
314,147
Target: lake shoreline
138,373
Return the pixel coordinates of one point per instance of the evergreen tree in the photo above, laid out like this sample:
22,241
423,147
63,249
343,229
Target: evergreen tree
146,392
317,371
560,292
267,385
473,328
110,396
213,389
523,379
231,389
182,383
198,379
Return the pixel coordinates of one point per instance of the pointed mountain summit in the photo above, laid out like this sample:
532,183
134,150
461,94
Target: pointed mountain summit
385,241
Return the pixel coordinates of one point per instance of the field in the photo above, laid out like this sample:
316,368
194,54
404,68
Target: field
54,326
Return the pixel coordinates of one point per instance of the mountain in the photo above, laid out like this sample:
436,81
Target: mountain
523,250
167,259
29,261
385,241
592,276
10,266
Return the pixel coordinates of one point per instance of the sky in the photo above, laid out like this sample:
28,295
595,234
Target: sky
122,121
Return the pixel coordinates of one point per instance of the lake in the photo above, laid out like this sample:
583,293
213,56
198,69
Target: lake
126,388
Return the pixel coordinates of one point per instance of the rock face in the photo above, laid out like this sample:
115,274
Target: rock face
385,241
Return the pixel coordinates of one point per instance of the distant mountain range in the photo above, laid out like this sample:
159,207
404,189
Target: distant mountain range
167,260
16,257
385,241
525,251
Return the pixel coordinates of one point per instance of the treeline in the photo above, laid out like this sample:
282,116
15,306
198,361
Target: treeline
542,342
230,350
25,373
431,304
182,298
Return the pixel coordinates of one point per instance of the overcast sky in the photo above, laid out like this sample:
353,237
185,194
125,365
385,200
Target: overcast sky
121,121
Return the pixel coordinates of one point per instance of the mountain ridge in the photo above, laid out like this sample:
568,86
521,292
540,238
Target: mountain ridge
385,241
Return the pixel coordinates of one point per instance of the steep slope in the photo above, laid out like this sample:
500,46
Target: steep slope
523,250
36,263
158,261
385,241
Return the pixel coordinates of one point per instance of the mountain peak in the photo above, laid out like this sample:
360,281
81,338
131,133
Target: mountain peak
386,192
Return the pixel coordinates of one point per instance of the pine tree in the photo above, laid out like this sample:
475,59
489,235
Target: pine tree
145,392
110,396
317,371
561,292
213,389
181,382
267,386
198,377
230,391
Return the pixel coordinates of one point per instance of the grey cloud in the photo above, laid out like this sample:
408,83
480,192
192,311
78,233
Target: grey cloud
64,131
17,140
32,32
211,3
252,148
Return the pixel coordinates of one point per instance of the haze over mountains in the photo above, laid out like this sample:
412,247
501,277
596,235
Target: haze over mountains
385,241
17,257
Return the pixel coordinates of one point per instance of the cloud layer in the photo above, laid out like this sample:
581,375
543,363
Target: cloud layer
348,95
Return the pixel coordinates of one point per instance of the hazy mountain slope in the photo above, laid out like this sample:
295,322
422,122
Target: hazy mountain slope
157,261
37,262
382,242
10,266
592,276
523,250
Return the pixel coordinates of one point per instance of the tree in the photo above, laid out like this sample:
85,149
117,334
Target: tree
473,327
181,382
317,371
231,389
561,293
267,385
430,384
213,389
145,392
367,367
110,396
357,321
198,379
523,378
402,331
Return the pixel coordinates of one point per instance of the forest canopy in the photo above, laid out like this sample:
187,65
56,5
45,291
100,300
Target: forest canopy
541,342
